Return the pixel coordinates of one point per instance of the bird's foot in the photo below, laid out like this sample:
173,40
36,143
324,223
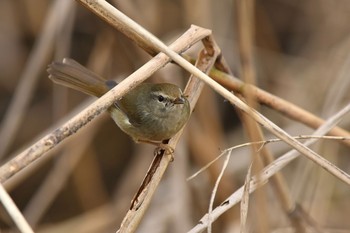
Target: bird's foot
166,149
162,147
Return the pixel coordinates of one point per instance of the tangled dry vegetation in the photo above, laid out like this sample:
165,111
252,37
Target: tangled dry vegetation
68,168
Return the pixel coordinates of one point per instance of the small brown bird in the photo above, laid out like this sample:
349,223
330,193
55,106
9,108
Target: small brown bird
150,113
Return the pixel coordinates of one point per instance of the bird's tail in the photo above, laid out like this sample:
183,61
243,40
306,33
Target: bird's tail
74,75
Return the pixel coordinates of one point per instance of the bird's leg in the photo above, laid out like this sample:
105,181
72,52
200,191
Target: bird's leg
160,146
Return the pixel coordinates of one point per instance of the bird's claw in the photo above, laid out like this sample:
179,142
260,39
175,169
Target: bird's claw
166,149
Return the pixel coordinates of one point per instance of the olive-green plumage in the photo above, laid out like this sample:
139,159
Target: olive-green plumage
148,113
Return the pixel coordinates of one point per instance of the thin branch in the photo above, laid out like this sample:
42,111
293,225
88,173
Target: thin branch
215,189
245,199
14,212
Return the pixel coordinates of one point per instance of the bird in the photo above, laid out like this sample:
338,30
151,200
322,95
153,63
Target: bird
149,113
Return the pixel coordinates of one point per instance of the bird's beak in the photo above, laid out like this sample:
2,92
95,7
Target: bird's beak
179,100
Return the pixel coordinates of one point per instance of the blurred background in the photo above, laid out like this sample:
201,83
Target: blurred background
301,53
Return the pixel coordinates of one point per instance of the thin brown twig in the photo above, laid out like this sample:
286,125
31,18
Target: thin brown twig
245,199
14,212
215,189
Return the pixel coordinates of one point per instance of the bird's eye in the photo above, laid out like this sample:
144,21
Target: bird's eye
160,98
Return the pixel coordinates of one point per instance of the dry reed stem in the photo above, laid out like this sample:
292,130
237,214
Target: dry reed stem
245,199
73,125
215,189
14,212
268,171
